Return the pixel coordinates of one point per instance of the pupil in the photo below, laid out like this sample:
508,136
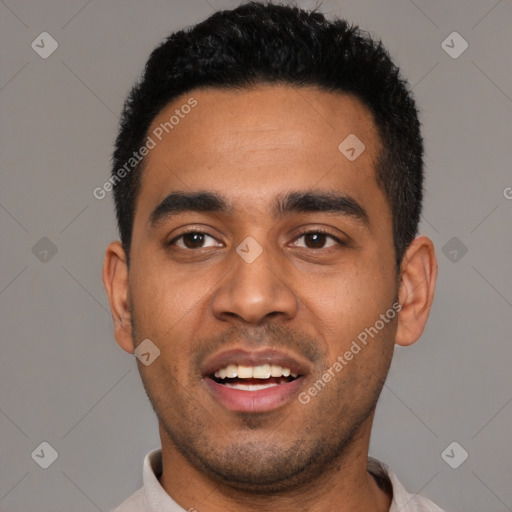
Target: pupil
319,238
195,238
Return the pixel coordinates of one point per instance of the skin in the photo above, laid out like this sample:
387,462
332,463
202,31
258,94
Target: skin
308,298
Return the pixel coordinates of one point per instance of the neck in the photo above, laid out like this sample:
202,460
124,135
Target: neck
344,487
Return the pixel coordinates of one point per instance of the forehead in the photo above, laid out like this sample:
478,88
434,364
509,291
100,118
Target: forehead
264,140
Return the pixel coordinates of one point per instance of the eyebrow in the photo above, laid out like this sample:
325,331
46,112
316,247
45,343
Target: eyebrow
284,204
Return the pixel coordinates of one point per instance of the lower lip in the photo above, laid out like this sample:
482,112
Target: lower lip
262,400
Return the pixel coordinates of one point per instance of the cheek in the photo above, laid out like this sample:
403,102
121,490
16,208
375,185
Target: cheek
348,301
161,299
170,306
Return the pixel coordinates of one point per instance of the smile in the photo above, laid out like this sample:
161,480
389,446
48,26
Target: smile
253,382
253,378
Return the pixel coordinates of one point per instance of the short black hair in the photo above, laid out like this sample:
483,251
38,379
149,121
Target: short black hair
259,43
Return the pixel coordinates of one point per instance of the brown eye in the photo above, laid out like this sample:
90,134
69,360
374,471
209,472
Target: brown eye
192,240
317,240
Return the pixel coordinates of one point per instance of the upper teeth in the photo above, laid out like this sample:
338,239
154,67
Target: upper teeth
262,371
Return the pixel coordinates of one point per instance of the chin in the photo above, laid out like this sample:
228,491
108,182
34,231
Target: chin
264,468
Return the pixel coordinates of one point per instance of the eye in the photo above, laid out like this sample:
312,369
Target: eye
316,239
192,240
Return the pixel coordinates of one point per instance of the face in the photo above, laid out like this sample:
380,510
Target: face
276,270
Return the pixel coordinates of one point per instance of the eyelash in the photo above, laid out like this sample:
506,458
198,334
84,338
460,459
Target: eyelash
300,235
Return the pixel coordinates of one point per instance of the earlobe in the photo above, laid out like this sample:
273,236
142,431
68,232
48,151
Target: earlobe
115,280
416,292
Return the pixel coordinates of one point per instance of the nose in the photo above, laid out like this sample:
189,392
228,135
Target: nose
254,290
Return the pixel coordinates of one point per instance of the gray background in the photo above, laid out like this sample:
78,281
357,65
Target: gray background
64,380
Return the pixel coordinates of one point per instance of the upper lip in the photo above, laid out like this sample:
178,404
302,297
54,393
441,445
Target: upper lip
253,358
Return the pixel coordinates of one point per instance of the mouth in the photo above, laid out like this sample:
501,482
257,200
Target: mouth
253,381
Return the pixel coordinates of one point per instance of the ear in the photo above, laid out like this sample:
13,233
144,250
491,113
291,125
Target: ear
416,291
115,280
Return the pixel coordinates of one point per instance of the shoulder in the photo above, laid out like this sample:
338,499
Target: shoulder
402,501
138,501
135,503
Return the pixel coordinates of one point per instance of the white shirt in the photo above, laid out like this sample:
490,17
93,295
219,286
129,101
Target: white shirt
151,497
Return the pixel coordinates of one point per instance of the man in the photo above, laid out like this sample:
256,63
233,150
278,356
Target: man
268,184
